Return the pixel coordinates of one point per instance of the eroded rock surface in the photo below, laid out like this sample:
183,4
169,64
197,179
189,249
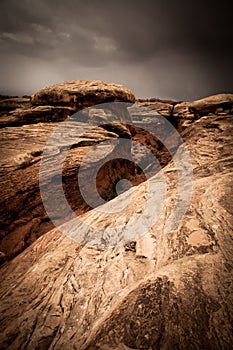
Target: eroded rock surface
24,133
34,115
23,218
82,93
163,291
10,103
182,114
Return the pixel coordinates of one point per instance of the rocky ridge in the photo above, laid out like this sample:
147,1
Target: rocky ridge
159,291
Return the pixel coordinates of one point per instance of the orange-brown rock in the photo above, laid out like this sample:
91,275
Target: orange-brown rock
23,218
10,103
183,114
82,93
34,115
221,104
24,132
164,291
22,145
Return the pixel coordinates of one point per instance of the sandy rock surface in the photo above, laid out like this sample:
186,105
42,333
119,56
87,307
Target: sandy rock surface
165,291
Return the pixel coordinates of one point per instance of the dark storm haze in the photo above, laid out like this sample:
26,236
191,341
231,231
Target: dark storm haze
169,49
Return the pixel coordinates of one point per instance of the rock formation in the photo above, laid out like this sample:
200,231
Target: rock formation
24,132
183,113
10,103
82,93
161,291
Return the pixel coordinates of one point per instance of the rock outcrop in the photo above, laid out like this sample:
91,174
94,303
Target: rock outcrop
57,102
163,108
10,103
221,104
23,218
35,115
82,93
163,291
182,114
24,132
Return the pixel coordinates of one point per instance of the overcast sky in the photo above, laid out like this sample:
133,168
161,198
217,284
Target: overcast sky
163,48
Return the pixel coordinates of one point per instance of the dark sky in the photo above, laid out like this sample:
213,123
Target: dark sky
168,49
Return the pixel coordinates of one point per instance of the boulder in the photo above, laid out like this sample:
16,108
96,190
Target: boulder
214,104
82,93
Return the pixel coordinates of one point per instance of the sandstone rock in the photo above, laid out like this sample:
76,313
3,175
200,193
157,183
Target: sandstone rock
22,147
162,108
8,104
82,93
58,294
182,114
214,104
56,102
159,291
2,257
189,111
33,115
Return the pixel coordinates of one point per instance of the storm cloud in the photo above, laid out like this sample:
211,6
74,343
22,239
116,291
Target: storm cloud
168,49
